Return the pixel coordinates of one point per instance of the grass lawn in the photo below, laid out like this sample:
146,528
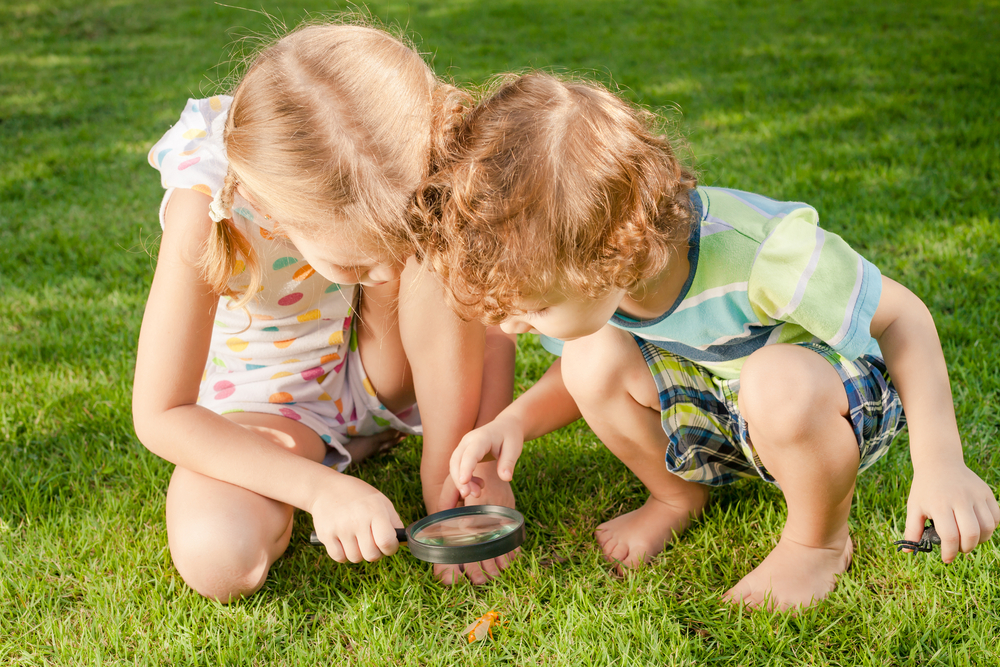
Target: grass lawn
883,115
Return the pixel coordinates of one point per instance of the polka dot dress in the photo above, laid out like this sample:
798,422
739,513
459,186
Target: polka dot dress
299,357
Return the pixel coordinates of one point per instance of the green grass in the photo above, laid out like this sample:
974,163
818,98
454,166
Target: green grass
882,115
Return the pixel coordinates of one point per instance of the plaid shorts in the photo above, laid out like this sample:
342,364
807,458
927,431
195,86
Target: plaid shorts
709,439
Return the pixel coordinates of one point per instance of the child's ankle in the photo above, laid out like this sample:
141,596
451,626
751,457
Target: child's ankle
692,499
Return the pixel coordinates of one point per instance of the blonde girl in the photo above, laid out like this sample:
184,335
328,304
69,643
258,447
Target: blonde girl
285,336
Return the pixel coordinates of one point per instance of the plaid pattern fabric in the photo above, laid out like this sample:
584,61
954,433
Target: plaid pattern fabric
709,441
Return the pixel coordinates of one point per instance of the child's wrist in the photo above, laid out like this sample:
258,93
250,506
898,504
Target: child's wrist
936,461
942,448
319,488
512,417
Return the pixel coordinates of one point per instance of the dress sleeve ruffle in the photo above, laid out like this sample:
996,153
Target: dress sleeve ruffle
192,154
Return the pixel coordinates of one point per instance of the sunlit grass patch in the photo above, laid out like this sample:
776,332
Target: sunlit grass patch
881,115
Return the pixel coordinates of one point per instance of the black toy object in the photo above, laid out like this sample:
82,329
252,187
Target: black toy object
926,543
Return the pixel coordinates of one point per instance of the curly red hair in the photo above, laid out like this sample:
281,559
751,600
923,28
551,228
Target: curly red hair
552,185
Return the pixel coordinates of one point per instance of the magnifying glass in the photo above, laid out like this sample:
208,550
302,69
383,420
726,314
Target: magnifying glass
461,535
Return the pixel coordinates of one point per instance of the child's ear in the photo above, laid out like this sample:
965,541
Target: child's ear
243,192
246,195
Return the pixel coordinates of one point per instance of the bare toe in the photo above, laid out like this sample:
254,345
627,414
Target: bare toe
617,552
792,576
603,535
633,539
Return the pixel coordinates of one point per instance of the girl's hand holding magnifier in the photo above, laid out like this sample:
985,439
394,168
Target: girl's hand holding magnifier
363,528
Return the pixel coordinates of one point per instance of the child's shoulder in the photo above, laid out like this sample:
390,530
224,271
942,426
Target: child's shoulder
191,154
746,214
739,205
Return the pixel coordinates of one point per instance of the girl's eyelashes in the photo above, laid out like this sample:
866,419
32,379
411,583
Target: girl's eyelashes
358,269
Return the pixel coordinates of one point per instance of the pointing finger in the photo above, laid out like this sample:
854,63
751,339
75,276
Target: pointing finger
508,459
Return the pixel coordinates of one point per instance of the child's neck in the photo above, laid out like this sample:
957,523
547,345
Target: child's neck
655,295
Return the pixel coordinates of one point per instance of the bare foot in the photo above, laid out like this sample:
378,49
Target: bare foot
792,575
495,492
633,539
361,447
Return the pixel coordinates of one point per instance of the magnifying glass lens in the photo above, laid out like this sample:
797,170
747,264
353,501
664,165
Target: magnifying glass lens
464,530
461,534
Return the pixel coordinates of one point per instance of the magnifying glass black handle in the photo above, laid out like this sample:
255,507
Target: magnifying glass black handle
314,538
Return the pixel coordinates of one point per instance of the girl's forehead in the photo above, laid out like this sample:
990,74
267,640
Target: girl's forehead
333,236
348,248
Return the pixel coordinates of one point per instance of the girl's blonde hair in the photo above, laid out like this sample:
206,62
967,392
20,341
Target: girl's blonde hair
331,124
553,185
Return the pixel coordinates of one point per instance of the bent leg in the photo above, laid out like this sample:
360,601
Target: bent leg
797,413
224,538
608,378
448,356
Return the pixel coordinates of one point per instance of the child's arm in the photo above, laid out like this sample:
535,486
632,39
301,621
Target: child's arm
963,507
446,356
497,393
498,374
173,346
545,407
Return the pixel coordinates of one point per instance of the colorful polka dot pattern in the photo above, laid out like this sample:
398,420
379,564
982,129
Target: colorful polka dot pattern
292,360
237,344
225,389
291,414
304,273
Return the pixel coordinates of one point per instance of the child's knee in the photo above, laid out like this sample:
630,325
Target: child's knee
790,390
222,567
598,366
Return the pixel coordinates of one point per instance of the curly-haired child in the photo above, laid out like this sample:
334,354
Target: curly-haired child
721,331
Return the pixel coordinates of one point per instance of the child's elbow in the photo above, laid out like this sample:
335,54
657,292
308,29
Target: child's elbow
147,423
141,424
899,308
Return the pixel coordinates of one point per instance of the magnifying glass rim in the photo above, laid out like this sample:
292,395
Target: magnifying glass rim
466,553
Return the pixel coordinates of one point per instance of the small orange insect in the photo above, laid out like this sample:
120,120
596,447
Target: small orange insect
482,626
